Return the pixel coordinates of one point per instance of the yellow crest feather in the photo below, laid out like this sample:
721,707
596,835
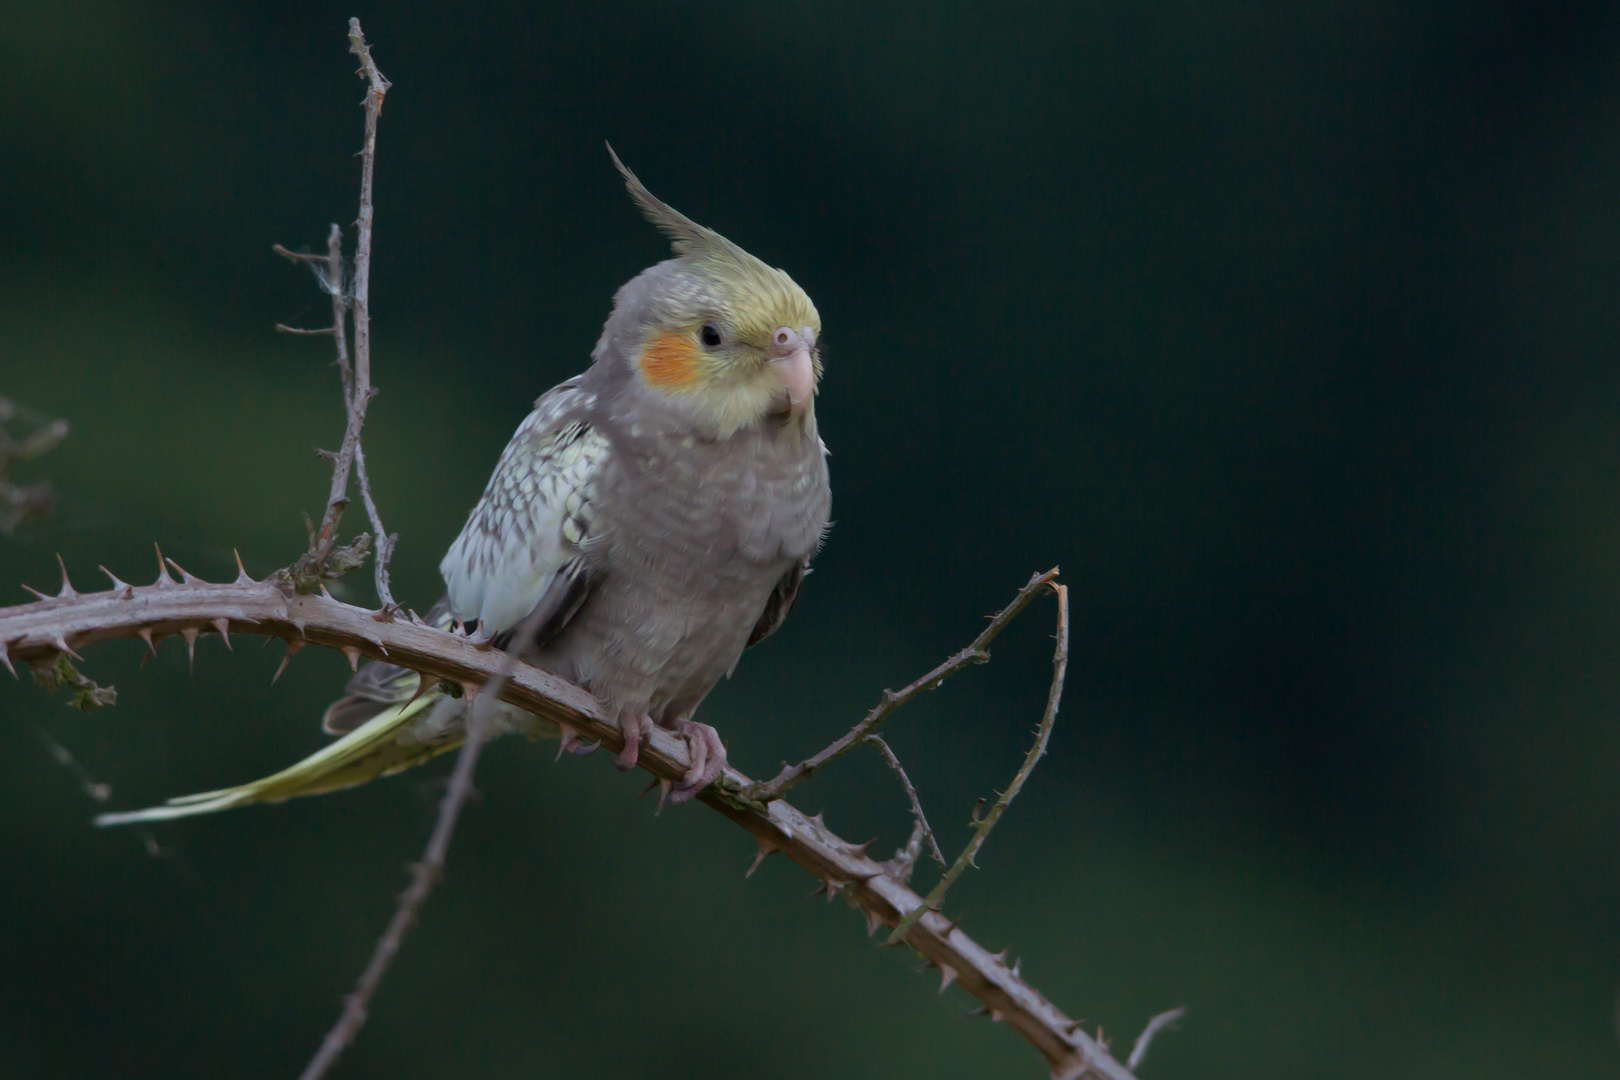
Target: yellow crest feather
774,297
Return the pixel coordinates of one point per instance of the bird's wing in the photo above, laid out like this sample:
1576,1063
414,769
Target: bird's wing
525,544
779,604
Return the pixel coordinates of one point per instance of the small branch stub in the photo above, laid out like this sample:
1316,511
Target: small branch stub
1165,1021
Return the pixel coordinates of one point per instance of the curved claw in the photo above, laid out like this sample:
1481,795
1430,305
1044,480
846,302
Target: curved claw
708,759
636,729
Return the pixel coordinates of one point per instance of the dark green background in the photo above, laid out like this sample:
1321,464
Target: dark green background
1285,329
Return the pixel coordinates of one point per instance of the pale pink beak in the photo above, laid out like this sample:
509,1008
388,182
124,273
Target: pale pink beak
790,353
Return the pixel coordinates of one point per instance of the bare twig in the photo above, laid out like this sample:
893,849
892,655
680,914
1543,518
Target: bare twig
385,540
37,632
976,653
424,874
332,282
360,393
925,832
983,825
357,388
95,790
19,502
1164,1020
360,396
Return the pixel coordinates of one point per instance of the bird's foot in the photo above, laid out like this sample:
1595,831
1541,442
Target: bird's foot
636,727
708,758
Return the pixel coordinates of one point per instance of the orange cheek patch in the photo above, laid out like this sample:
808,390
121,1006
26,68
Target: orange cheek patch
669,361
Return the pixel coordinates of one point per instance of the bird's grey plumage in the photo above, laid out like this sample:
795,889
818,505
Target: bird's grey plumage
683,537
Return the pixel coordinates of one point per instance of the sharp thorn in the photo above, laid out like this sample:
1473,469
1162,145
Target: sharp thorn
1000,957
37,593
163,578
1018,963
62,646
223,625
327,592
859,850
67,592
190,634
292,651
765,848
423,683
145,634
664,788
995,1016
353,653
299,624
242,577
470,692
947,975
186,577
817,819
5,658
129,590
873,921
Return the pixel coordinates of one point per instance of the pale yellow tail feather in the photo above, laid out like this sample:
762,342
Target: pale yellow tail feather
375,748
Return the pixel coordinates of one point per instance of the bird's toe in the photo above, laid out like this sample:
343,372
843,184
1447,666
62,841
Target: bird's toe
636,727
708,759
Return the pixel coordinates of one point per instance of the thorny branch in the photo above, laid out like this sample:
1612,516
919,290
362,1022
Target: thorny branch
71,621
976,653
20,503
1043,733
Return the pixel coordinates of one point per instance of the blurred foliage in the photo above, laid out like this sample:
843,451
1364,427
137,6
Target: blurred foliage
1286,330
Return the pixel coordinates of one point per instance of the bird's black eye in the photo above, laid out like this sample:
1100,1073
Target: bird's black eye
710,334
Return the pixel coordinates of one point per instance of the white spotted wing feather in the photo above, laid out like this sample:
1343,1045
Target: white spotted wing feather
525,544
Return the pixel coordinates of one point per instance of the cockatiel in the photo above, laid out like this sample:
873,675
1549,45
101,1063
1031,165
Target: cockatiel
652,518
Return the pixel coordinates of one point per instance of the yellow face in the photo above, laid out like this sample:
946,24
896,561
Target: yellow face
748,357
732,340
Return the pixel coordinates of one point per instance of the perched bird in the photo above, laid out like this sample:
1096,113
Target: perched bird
651,518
